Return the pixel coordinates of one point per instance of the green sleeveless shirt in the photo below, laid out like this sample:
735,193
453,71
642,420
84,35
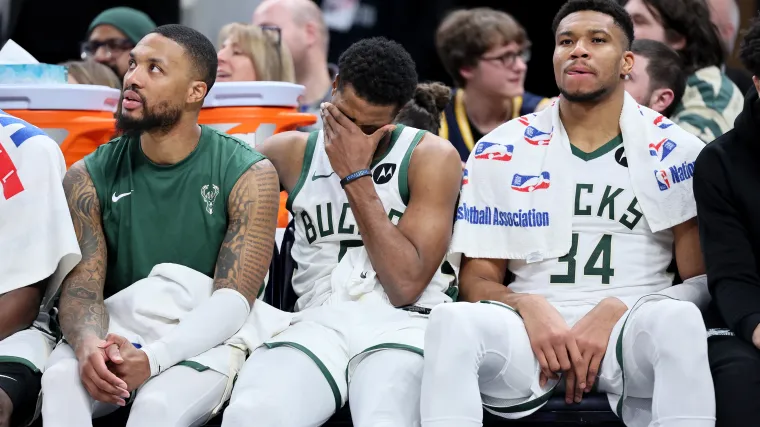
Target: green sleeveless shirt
155,214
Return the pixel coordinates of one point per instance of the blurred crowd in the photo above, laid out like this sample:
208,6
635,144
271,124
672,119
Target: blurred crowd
680,70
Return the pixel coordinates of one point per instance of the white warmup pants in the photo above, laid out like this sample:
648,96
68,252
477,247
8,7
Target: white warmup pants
179,397
474,348
283,387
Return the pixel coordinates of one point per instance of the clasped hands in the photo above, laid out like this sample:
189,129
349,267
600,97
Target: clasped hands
112,368
578,351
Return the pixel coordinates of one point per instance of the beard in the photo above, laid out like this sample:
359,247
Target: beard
585,97
161,118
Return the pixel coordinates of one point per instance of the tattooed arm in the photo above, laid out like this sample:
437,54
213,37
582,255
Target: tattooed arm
246,253
82,313
242,264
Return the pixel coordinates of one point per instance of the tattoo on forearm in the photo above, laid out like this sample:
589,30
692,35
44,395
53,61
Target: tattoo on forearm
82,310
246,252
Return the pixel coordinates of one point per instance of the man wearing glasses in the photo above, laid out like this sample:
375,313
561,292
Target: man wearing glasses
486,53
112,34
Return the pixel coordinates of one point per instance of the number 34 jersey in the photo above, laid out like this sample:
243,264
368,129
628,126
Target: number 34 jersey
613,251
325,227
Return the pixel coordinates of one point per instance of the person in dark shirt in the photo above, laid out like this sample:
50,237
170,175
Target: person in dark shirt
486,52
726,180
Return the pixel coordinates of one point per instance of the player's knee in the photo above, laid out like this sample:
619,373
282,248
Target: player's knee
153,408
388,422
60,375
452,323
249,409
678,321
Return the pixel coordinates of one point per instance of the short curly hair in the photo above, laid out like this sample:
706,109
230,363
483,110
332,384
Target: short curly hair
608,7
381,72
466,35
198,47
749,51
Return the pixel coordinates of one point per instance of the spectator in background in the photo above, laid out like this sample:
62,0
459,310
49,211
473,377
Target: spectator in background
249,52
306,36
725,186
425,108
711,100
112,34
486,52
657,80
89,72
725,15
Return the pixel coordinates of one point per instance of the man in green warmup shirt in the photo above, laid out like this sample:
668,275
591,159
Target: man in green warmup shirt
166,192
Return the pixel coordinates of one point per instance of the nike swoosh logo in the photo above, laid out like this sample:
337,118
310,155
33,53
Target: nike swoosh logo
116,198
10,378
316,177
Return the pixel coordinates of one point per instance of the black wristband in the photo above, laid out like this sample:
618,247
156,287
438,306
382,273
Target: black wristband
354,176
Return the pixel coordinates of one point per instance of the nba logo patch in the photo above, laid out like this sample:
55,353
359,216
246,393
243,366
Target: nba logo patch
530,183
661,123
465,177
493,151
534,136
662,179
10,183
662,148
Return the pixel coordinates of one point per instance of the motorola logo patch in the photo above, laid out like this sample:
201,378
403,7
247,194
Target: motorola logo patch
383,173
620,157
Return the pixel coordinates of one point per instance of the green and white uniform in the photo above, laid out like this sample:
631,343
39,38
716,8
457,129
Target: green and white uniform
655,369
325,225
343,311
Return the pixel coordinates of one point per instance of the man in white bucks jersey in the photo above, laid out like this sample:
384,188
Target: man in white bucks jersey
373,205
39,247
599,316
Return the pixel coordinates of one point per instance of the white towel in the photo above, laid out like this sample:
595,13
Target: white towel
36,233
517,192
150,308
354,279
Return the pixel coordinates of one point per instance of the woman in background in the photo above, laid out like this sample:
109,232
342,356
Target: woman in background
89,72
253,53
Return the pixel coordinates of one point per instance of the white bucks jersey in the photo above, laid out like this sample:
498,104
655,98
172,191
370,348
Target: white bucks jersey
613,251
324,223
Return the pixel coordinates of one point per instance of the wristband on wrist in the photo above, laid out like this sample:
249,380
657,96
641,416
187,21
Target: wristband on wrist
354,176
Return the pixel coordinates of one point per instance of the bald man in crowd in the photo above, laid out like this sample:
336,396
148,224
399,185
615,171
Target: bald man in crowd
307,37
725,15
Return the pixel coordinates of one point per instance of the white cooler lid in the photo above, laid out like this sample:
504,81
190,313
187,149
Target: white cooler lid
253,94
58,97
